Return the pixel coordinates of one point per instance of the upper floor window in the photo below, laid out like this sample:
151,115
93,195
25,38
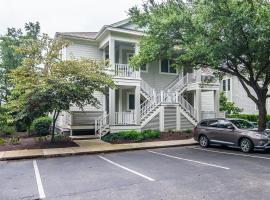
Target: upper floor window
226,85
165,67
229,84
144,68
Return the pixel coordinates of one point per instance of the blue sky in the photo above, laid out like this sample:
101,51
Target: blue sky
63,15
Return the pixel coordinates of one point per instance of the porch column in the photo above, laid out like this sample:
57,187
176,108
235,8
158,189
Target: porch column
120,99
112,105
178,118
137,105
161,119
198,103
112,52
216,102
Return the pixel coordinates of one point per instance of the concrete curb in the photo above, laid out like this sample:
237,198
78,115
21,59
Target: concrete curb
49,153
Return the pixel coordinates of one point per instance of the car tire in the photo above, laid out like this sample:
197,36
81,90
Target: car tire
203,141
246,145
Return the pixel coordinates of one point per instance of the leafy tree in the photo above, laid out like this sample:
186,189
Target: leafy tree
47,84
9,59
228,107
230,36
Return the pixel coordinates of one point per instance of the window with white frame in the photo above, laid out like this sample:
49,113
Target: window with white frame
165,67
144,68
131,101
226,85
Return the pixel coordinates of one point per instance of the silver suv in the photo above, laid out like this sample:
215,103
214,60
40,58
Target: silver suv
231,132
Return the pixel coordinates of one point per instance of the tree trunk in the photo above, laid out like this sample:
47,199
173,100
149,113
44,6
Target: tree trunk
55,116
262,113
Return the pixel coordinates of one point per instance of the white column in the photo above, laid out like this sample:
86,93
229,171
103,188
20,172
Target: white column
112,105
216,100
198,104
112,52
120,105
178,118
137,105
161,119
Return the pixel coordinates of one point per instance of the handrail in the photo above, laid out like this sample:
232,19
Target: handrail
125,118
168,98
147,88
102,123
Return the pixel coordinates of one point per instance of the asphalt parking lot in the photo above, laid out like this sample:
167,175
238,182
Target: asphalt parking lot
159,174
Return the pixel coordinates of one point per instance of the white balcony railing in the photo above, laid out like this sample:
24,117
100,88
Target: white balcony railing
125,118
124,70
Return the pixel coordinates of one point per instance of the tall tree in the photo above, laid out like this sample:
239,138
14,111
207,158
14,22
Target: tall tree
9,59
230,36
47,84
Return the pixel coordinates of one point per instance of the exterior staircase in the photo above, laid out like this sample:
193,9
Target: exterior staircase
153,102
181,83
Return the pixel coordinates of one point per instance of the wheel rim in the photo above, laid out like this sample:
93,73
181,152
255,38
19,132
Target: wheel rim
245,146
203,141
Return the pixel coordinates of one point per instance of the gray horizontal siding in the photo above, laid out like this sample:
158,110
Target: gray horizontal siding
185,123
170,118
208,101
85,118
155,79
79,50
153,124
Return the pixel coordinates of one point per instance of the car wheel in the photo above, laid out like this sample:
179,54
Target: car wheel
246,145
204,142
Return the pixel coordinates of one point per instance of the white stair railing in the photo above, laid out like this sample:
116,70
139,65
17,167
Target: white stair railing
181,82
146,88
125,118
124,70
167,98
187,107
102,123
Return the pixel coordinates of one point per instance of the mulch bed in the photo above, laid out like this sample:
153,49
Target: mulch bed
164,136
26,142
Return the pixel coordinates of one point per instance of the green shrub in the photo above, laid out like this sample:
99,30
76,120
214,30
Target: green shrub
188,131
7,130
41,126
2,141
249,117
14,140
131,136
151,134
20,126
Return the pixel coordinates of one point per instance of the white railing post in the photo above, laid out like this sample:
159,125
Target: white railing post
162,95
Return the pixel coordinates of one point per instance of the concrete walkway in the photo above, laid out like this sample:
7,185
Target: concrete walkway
90,147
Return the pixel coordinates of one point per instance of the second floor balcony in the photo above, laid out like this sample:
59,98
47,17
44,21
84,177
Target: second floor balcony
124,71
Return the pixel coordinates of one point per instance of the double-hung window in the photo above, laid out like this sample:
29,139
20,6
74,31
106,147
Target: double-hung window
165,67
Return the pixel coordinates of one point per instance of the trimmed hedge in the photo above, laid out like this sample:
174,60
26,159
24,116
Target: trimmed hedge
41,125
249,117
132,135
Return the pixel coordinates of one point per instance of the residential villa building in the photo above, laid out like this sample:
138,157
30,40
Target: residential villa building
235,92
156,96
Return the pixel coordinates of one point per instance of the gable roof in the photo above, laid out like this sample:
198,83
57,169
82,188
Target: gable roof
118,26
83,35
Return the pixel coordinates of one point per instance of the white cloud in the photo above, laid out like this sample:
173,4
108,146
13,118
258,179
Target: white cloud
63,15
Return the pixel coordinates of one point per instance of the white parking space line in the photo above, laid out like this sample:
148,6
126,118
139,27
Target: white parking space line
229,153
127,169
38,179
194,161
